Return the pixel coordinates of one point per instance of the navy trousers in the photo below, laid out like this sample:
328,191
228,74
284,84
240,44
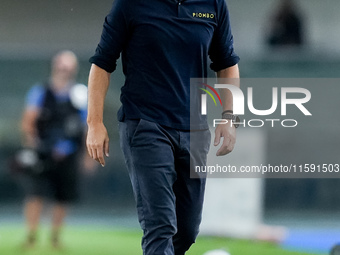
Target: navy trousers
169,202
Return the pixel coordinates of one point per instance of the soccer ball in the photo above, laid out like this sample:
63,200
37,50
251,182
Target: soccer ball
217,252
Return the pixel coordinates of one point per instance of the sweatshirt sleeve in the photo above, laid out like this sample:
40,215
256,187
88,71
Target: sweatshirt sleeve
221,49
113,38
35,97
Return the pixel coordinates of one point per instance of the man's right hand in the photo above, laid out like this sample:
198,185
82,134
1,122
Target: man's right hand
97,142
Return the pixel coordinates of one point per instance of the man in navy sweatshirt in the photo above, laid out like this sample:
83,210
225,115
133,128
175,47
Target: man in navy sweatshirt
163,43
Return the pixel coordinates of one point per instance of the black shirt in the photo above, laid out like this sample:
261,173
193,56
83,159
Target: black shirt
164,43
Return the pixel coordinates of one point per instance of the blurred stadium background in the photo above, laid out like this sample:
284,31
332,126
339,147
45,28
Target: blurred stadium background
31,32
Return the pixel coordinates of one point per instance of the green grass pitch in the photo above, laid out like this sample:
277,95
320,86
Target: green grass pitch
104,241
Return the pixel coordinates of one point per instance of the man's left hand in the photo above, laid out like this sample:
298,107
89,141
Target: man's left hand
229,138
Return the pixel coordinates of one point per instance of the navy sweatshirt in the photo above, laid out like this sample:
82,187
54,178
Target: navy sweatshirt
163,44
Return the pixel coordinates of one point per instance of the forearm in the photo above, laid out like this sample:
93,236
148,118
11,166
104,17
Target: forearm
97,140
98,84
231,76
227,76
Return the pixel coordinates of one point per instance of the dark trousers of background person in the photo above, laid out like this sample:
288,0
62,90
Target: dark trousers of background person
169,202
58,181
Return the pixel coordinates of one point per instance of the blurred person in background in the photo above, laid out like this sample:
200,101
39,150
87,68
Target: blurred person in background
53,126
286,26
